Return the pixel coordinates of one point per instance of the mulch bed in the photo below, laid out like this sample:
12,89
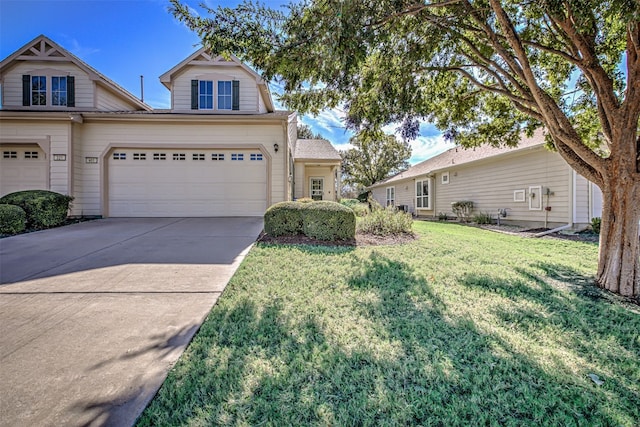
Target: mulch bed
359,241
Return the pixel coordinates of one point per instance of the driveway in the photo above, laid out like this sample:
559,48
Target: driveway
94,315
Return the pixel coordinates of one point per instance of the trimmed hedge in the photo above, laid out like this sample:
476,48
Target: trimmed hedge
321,220
13,219
43,208
284,219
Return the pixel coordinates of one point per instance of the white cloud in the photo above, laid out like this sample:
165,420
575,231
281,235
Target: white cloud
425,147
79,50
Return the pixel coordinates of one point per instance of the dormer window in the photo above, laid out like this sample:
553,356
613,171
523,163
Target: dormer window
224,95
227,96
40,91
59,91
205,95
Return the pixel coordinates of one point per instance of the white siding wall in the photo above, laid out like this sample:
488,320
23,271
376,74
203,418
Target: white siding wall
490,185
12,87
59,135
249,97
581,209
405,194
97,136
108,101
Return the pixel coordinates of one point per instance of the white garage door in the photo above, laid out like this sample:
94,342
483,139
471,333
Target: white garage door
22,168
176,183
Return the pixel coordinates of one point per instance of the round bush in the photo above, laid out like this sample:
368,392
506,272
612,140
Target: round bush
321,220
326,220
284,219
13,219
43,208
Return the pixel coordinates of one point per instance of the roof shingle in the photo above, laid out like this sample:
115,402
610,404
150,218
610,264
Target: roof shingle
315,149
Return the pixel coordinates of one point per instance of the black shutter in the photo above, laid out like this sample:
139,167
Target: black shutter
71,91
194,94
235,95
26,90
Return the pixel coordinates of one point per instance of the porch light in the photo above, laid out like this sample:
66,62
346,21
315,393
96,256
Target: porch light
276,147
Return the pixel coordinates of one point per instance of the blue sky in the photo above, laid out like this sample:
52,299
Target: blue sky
124,39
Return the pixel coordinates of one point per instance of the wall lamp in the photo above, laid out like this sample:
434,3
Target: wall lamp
276,147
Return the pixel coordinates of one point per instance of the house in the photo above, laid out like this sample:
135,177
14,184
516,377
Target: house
530,184
222,149
317,166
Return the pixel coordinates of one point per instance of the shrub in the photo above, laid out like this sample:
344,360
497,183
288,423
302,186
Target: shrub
462,209
350,203
364,197
304,200
12,219
595,224
386,222
321,220
43,208
442,216
326,220
361,209
482,218
284,219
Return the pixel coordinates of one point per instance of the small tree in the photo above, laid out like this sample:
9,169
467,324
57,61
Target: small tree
374,157
305,132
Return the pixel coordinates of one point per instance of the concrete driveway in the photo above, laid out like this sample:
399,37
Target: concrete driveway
94,315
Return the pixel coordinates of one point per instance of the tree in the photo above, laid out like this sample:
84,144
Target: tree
374,157
305,132
482,70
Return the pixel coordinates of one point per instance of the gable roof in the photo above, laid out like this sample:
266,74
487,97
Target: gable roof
45,49
202,57
459,156
315,149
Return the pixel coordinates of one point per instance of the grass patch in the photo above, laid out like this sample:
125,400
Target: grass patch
461,327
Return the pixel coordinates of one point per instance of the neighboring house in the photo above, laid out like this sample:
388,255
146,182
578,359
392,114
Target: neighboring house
533,185
317,170
221,150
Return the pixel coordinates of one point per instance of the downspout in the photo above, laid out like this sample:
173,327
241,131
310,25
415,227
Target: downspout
555,230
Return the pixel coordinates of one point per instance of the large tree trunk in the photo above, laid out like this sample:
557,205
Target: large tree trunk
619,262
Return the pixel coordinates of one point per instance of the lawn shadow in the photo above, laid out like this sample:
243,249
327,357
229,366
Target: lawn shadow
413,361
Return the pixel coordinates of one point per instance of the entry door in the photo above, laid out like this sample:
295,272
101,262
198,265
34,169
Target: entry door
317,188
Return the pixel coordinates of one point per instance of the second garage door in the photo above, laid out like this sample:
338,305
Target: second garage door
186,183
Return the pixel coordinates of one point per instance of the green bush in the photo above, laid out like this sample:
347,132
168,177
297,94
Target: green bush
482,218
442,216
462,209
361,209
350,203
43,208
595,224
386,222
12,219
304,200
326,220
321,220
284,219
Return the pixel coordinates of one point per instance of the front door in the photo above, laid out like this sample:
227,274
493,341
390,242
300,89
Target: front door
317,188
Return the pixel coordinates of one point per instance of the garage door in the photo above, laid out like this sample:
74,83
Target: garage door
22,167
176,183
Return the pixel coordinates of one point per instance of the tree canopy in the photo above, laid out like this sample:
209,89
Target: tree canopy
374,157
483,71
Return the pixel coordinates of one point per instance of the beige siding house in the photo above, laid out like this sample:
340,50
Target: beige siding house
220,150
317,170
529,184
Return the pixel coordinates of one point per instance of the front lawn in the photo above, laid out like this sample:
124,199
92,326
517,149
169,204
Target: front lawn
460,327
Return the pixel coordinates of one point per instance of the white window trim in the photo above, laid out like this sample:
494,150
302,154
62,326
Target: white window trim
519,196
213,95
311,179
392,199
428,197
537,199
444,179
217,97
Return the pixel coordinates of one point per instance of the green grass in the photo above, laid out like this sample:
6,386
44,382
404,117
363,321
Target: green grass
461,327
